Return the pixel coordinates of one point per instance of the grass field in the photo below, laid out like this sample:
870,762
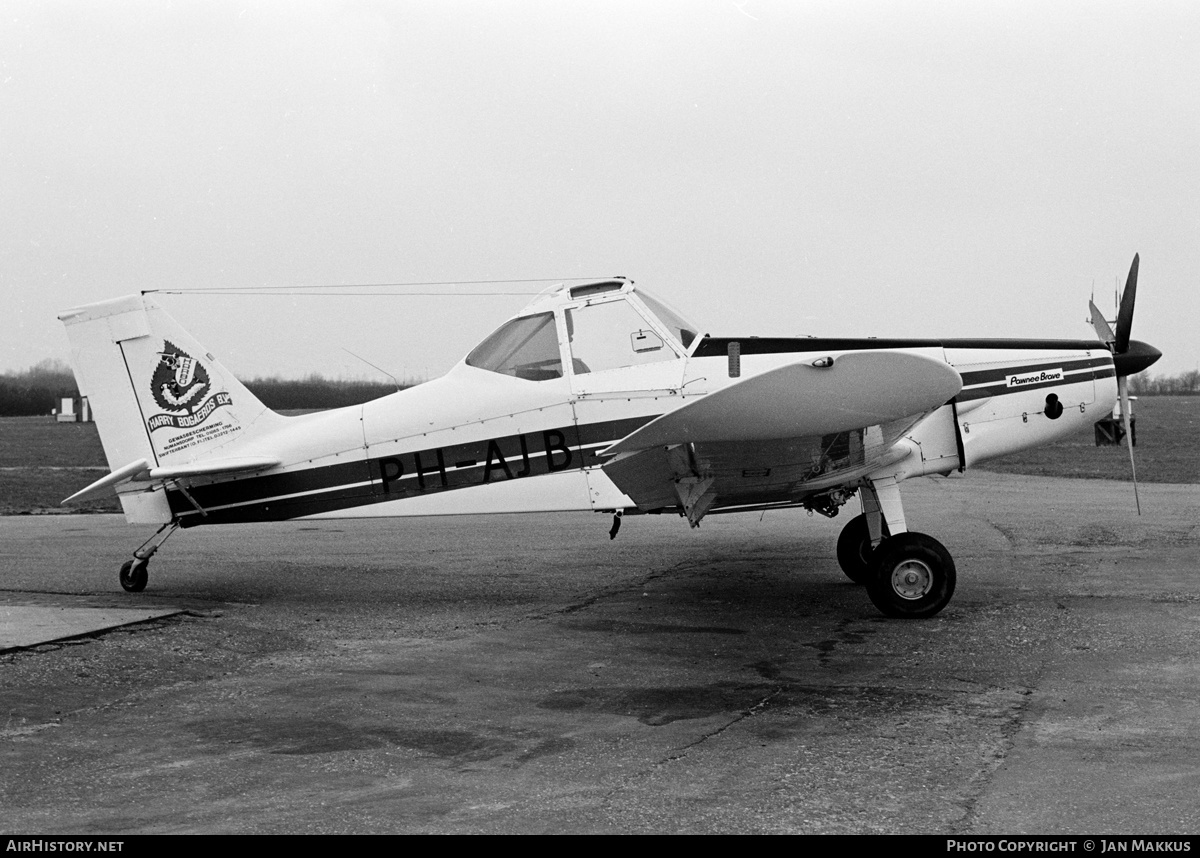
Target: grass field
1167,451
42,462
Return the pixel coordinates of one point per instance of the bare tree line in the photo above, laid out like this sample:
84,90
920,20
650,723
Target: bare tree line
1184,384
40,389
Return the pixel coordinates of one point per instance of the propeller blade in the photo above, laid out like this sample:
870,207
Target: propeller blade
1125,314
1123,390
1103,330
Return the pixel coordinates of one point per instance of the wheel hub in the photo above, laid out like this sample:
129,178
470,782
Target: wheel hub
912,579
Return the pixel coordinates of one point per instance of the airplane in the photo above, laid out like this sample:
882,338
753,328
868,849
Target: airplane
597,397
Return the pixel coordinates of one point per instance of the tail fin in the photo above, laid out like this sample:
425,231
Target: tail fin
157,394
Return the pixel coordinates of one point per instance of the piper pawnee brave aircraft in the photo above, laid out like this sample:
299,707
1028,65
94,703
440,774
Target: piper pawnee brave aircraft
597,397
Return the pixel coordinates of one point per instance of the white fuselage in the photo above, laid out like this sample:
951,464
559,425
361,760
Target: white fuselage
475,441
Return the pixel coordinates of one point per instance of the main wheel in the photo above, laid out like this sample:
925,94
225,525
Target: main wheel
134,575
854,549
913,576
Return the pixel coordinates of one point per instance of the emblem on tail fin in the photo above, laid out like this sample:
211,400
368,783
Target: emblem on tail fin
180,385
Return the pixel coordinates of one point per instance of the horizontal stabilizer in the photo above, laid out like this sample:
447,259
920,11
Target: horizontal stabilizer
140,471
120,475
213,467
803,399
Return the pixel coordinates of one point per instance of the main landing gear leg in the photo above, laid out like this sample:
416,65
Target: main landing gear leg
907,574
863,533
135,573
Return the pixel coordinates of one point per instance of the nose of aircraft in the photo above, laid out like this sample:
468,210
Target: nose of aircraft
1137,357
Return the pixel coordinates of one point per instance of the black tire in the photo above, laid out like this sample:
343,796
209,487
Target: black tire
134,575
914,576
854,549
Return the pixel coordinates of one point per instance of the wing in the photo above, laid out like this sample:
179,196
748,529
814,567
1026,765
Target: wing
777,436
856,390
146,476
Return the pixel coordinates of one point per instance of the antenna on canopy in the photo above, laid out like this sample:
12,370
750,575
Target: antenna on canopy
444,289
368,363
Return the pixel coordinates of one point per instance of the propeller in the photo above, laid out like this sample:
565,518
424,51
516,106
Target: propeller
1123,392
1129,357
1125,314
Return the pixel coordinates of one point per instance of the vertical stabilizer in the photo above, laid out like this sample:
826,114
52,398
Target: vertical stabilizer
157,393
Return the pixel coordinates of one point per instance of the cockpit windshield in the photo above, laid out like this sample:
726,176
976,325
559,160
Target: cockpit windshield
682,330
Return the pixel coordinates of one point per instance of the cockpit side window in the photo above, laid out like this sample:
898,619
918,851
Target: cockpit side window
611,335
524,348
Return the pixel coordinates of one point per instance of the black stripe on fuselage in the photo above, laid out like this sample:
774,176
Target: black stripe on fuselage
719,346
979,384
278,497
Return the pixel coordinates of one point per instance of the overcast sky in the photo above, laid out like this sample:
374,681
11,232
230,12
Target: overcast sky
786,168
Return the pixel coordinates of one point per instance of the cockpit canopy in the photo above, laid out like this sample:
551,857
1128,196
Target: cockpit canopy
526,347
590,328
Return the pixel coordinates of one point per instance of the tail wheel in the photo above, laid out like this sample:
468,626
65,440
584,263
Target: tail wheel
913,576
134,575
854,549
